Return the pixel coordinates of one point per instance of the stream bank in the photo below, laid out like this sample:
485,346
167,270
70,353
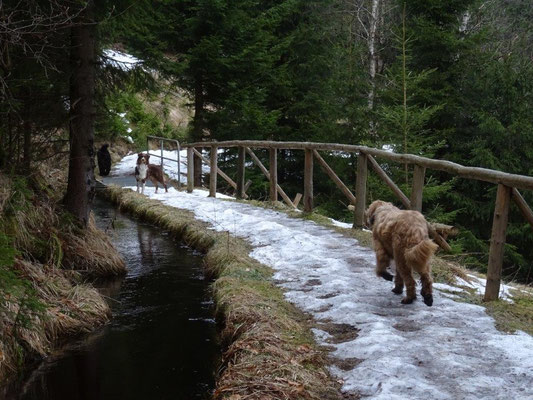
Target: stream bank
162,339
45,258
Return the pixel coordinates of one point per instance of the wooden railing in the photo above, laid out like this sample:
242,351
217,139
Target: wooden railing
508,185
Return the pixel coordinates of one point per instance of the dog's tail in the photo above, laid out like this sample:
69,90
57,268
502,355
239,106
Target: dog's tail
421,253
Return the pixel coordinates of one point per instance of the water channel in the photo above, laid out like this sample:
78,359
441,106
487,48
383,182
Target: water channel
162,340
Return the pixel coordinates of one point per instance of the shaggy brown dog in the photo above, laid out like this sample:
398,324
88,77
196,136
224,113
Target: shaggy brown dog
402,236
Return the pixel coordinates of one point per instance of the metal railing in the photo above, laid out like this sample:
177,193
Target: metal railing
161,142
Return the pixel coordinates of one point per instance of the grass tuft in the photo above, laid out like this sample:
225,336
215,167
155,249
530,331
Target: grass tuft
90,252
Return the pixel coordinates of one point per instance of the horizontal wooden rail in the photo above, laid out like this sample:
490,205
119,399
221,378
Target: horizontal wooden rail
476,173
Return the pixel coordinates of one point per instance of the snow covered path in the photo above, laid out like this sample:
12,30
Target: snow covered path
449,351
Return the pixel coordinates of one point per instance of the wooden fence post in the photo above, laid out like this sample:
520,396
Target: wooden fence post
360,190
273,167
198,167
161,144
497,242
213,172
240,173
190,169
308,181
418,186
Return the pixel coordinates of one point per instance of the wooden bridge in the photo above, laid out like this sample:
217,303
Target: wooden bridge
508,185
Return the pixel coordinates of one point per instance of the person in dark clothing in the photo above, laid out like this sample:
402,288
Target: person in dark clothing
104,160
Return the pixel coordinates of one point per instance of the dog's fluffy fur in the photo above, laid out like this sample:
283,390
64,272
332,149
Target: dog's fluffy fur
144,170
402,236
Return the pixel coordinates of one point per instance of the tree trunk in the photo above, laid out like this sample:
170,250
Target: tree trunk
373,59
81,182
372,37
198,127
404,89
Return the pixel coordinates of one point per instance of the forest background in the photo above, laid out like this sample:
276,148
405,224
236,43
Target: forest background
448,79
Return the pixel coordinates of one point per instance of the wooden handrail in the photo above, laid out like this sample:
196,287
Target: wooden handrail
476,173
507,186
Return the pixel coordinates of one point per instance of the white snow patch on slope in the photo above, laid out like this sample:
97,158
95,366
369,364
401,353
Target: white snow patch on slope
449,351
121,60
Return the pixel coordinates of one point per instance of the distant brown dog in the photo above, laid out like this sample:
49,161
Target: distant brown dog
402,236
144,170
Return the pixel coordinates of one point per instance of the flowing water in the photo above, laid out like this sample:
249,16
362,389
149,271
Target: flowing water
161,342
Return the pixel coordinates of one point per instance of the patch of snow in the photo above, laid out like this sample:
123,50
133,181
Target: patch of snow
341,224
449,351
479,284
388,148
443,286
343,154
120,60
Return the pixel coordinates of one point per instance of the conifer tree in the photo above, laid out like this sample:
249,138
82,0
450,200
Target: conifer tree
403,115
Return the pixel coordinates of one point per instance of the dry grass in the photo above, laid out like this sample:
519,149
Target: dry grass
270,353
90,252
41,303
66,309
45,234
514,316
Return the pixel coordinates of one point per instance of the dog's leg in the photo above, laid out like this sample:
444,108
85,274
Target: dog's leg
405,271
398,284
410,292
138,187
427,283
382,261
427,288
144,183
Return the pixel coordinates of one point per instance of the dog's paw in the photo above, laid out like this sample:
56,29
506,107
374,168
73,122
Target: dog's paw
397,290
385,275
428,299
408,300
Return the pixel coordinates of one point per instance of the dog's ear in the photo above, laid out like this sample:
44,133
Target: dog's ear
139,154
147,157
